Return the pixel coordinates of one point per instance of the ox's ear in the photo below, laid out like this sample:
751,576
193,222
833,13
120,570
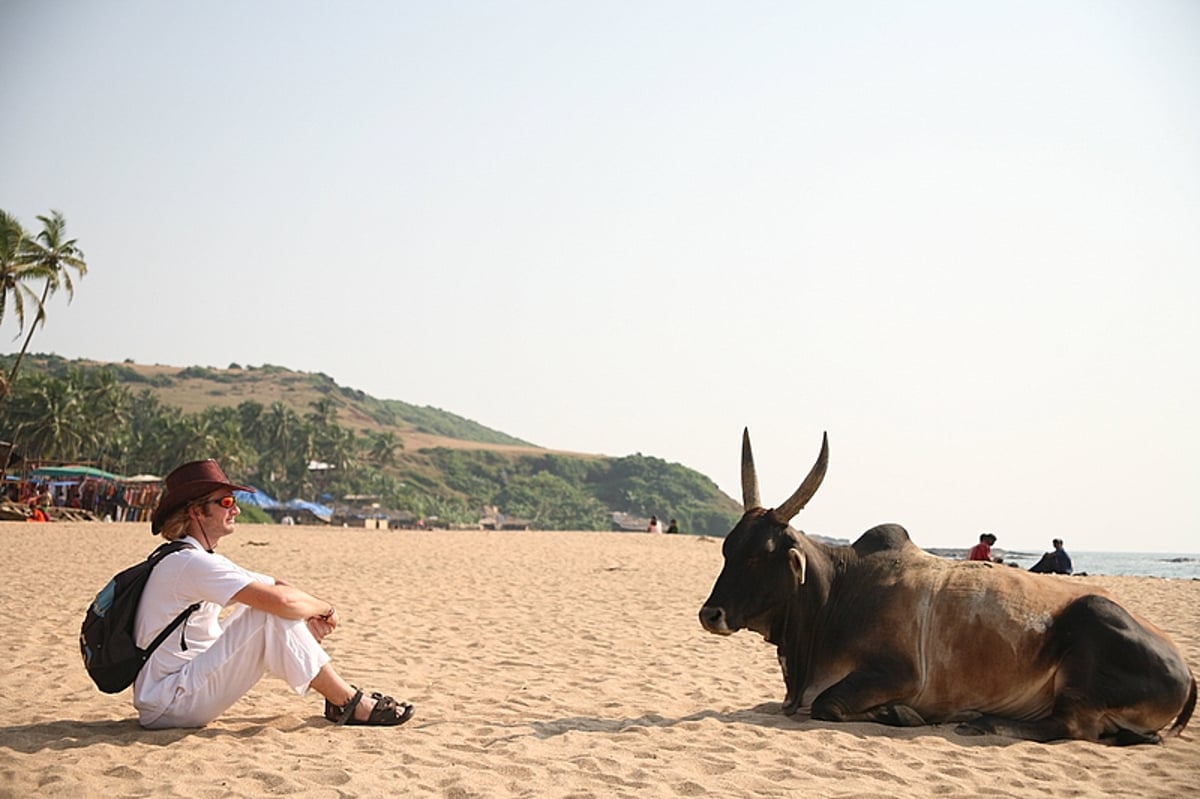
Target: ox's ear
799,564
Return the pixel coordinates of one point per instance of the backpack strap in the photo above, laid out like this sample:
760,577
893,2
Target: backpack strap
166,548
157,555
170,628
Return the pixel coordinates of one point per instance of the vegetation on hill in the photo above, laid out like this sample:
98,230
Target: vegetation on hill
269,425
196,388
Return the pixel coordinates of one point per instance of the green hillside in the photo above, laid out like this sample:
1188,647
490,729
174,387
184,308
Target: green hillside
267,424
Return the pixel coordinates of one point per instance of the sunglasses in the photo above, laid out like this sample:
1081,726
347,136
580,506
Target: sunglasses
228,502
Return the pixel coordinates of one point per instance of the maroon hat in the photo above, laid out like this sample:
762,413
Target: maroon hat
189,482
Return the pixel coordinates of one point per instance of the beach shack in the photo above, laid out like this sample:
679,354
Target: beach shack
95,491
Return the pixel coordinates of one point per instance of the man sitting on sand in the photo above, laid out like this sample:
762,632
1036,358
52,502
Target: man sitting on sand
982,550
1054,562
196,675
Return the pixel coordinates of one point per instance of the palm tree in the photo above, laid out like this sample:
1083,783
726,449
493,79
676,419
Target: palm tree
50,418
14,292
50,257
11,273
282,428
146,434
324,413
384,446
343,448
190,437
108,406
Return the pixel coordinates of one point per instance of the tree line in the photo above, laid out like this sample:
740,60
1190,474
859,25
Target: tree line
88,416
85,414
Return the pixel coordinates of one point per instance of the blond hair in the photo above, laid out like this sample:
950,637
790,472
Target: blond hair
176,525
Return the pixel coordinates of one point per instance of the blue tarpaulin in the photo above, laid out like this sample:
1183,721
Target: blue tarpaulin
322,512
258,499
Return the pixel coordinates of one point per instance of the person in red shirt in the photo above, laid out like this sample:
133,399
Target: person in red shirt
982,550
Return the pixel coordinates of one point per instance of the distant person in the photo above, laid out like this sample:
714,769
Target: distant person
673,527
655,525
982,550
39,506
1056,561
195,676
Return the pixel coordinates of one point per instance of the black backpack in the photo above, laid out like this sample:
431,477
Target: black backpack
107,639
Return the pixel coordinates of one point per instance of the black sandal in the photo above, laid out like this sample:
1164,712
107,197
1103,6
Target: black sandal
386,713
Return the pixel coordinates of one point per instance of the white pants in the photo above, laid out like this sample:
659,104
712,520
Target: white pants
252,643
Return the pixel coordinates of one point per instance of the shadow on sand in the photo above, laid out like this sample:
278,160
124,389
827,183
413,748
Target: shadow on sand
769,715
70,734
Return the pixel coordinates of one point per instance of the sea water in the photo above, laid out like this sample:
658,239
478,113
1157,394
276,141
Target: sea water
1177,565
1134,564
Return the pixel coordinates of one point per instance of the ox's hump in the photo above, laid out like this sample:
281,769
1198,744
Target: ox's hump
883,538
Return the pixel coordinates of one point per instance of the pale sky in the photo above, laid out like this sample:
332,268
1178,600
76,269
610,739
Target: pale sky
961,237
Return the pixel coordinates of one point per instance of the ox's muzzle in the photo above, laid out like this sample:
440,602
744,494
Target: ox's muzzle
714,620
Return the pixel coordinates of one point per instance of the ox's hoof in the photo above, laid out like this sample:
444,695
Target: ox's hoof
902,716
971,728
1130,738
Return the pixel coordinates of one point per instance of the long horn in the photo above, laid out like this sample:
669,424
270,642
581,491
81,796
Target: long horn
796,502
750,499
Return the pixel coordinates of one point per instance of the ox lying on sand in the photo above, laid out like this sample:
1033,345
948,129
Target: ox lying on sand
882,631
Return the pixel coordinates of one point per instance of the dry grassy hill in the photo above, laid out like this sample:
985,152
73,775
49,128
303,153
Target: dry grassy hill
194,388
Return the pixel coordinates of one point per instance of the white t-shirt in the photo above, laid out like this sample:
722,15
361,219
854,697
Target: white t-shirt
181,578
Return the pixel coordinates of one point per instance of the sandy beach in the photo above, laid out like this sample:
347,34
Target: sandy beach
541,664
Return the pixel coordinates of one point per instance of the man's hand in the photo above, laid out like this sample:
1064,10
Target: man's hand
321,626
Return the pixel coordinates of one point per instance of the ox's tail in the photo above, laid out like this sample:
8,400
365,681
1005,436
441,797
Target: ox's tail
1186,714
